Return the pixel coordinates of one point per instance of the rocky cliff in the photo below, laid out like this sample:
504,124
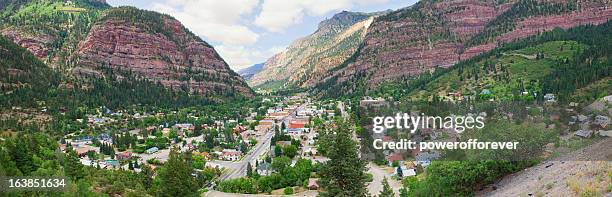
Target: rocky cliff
306,59
434,34
158,48
83,38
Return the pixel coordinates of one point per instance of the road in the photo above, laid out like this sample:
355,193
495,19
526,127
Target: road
375,187
378,173
238,169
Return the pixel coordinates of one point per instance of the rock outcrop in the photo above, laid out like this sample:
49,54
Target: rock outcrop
308,58
158,48
435,34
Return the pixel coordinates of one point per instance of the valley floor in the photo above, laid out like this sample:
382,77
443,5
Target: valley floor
585,172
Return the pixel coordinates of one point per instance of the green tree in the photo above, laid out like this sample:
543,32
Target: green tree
175,177
387,191
279,164
290,151
249,169
343,174
73,167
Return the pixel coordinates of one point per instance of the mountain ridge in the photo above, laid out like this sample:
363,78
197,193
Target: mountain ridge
437,34
308,57
83,36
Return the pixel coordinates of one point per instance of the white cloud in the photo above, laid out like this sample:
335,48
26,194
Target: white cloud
277,15
239,57
215,20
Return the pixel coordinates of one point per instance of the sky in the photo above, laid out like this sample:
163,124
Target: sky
247,32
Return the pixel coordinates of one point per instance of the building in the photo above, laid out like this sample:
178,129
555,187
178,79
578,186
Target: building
297,127
405,172
125,155
82,150
152,150
231,155
369,102
394,157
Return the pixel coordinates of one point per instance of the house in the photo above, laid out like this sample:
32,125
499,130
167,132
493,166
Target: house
182,128
112,162
312,184
297,127
239,129
152,150
394,157
405,172
425,158
368,101
82,150
231,155
263,128
125,155
486,92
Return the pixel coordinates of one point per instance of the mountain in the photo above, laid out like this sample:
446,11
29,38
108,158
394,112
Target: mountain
83,39
301,64
157,47
248,72
558,62
438,34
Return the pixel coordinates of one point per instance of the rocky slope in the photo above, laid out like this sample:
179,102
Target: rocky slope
85,38
433,34
157,47
312,56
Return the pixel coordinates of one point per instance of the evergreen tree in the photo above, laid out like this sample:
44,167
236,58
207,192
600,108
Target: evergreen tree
387,191
175,177
249,169
343,174
73,167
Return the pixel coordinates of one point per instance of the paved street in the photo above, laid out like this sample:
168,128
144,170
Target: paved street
238,169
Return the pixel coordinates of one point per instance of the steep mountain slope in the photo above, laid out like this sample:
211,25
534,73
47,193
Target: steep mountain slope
307,58
84,38
49,29
556,62
248,72
157,47
432,34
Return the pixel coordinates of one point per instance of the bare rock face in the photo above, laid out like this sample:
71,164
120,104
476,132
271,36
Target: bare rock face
307,59
165,53
435,34
37,44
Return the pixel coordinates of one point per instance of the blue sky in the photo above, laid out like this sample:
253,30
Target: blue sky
246,32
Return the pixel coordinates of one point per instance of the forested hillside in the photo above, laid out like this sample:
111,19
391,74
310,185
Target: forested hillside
432,35
557,62
83,39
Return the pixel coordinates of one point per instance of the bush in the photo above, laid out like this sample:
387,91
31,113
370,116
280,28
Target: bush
288,191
